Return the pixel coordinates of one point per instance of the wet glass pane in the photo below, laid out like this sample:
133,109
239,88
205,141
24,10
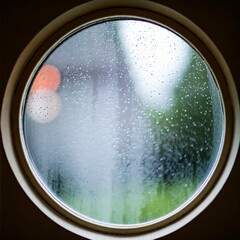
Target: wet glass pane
123,122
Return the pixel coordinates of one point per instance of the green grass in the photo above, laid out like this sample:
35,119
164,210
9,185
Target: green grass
166,200
128,207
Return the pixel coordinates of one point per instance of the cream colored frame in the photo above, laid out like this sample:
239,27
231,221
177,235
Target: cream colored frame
35,53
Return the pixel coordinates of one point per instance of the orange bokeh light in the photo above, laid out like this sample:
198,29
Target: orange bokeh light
48,78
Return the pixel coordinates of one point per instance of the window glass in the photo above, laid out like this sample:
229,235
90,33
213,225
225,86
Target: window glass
123,122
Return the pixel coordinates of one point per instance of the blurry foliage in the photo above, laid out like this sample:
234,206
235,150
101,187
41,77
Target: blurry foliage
184,133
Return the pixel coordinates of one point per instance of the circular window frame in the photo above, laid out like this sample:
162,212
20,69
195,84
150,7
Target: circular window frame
32,57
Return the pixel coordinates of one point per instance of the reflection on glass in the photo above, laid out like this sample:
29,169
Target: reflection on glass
123,122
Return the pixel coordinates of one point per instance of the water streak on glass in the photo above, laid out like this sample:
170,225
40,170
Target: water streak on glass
123,121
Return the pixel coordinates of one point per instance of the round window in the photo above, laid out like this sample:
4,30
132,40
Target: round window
122,124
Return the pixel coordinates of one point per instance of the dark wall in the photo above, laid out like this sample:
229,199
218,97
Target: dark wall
21,20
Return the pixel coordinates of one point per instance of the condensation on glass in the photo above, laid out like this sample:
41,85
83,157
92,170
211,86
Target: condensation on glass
123,122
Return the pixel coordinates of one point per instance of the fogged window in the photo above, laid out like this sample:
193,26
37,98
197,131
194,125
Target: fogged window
123,122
